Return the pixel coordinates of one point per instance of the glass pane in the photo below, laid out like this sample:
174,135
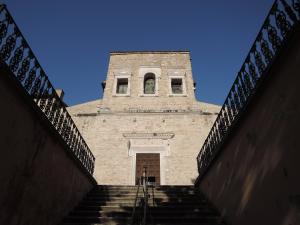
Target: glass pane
122,86
149,86
176,85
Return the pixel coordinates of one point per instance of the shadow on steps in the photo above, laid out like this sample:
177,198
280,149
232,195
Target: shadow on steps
113,205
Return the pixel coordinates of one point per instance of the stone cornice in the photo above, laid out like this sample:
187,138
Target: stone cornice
164,136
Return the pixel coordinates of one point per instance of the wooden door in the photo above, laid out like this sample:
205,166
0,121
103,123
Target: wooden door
152,162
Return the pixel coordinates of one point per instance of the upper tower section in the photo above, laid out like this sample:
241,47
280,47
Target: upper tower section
149,81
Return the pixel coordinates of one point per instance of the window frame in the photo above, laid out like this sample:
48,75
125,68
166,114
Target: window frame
142,73
183,80
121,82
150,76
119,77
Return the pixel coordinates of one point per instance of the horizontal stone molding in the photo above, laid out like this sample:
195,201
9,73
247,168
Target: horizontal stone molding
167,135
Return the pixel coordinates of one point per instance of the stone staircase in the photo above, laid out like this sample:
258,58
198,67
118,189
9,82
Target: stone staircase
168,205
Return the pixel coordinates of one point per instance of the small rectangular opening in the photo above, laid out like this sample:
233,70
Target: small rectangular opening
176,85
122,85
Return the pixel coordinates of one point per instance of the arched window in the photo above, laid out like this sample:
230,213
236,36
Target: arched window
149,83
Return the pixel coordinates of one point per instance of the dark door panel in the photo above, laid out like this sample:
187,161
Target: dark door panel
152,162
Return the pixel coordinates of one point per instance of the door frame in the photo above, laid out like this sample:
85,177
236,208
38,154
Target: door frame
161,150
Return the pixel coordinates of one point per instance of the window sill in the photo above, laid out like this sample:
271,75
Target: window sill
121,95
148,95
177,95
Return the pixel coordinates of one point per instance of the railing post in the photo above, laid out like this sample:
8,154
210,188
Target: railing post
145,185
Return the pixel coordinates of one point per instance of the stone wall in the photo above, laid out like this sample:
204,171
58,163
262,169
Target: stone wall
112,138
166,63
40,180
255,179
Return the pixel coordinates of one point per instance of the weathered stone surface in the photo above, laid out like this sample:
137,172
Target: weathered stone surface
118,127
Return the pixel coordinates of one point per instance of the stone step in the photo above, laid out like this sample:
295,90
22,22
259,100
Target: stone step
171,208
131,203
149,190
132,196
171,198
174,219
156,199
154,212
157,223
170,205
181,187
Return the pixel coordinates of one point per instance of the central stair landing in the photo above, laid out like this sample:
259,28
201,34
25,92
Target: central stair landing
168,205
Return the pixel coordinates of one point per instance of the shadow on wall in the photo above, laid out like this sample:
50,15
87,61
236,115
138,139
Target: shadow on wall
250,191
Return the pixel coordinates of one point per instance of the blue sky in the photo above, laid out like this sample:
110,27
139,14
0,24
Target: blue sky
72,39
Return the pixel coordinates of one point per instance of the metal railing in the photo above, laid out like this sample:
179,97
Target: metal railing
141,217
280,23
133,215
16,54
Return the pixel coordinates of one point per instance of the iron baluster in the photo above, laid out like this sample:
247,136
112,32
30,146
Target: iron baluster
3,28
252,72
226,117
16,59
21,74
259,62
246,90
228,107
282,23
236,99
222,126
81,152
38,86
60,125
49,100
232,103
67,129
296,6
273,37
52,110
248,83
268,55
216,133
8,47
57,114
72,138
31,76
240,91
44,96
76,145
289,11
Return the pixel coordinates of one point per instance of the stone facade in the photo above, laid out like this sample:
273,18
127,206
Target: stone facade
122,124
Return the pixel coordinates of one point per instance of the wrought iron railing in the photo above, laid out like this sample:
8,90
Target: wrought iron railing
280,23
141,211
19,58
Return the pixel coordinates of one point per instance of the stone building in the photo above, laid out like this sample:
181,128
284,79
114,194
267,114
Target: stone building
148,116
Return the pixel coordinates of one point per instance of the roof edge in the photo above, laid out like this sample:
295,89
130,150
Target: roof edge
146,52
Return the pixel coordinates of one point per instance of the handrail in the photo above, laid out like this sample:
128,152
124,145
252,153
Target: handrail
279,25
145,191
135,201
16,54
144,200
